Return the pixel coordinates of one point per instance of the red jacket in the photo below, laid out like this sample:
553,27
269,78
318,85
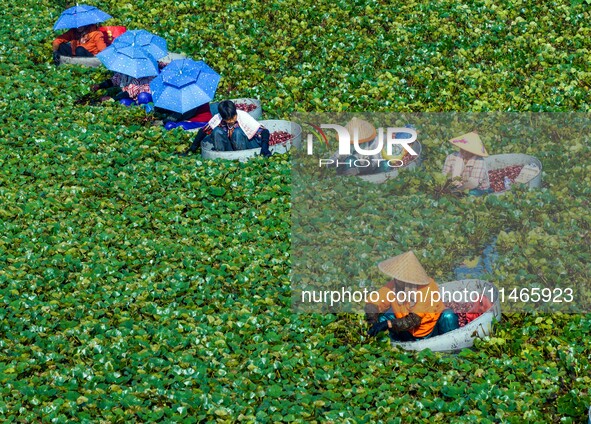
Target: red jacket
202,114
93,41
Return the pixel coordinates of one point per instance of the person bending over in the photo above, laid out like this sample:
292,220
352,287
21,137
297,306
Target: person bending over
468,164
405,306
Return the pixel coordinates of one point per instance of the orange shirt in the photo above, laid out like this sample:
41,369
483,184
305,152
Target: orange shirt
93,41
424,307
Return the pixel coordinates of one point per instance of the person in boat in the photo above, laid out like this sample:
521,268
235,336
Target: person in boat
399,153
192,119
468,164
405,306
86,41
126,87
362,164
357,163
231,130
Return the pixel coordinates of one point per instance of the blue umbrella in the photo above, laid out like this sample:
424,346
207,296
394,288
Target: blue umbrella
79,16
184,85
153,44
129,60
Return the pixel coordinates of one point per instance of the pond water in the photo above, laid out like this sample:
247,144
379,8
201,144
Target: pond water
479,266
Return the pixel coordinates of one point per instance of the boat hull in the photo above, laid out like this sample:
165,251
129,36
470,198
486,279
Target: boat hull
463,337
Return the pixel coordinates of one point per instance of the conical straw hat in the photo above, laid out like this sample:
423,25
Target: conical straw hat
405,268
470,142
367,131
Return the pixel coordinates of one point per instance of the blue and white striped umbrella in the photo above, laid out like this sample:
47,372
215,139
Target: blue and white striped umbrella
130,60
79,16
184,85
153,44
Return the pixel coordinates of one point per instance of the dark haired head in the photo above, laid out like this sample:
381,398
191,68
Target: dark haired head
227,109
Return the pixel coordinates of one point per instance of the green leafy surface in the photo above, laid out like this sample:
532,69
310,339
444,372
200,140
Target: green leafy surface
138,286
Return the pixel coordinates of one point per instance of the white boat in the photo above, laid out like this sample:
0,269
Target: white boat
256,113
494,162
462,337
243,155
382,177
91,62
94,62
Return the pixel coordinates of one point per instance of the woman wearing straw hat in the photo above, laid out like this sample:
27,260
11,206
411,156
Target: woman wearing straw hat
468,164
406,306
357,163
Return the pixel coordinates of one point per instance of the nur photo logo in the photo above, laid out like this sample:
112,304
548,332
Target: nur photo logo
360,145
